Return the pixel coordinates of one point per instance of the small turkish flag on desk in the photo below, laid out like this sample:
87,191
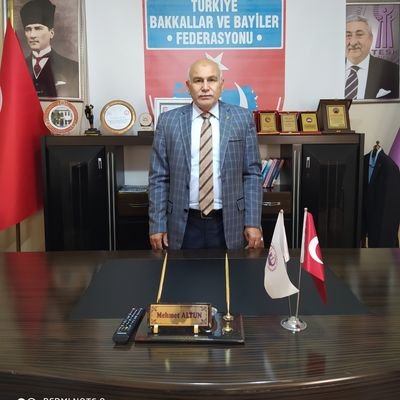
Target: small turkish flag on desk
310,256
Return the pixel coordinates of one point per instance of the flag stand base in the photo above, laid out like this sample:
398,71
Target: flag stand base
293,324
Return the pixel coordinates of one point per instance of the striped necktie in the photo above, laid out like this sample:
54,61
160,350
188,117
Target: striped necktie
352,83
206,192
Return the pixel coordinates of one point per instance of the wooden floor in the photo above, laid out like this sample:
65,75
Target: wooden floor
45,354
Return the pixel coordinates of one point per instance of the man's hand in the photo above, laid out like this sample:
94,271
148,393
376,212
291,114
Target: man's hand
254,237
159,241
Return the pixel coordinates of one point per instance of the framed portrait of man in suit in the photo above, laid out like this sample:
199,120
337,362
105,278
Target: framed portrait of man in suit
51,33
372,51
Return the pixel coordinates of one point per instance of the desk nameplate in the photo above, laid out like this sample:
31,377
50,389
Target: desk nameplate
185,334
180,315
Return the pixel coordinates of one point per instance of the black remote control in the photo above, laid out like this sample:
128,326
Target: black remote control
128,325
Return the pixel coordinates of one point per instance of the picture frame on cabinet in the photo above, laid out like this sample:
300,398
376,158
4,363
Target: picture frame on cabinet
117,117
163,104
333,116
66,38
60,117
374,25
268,122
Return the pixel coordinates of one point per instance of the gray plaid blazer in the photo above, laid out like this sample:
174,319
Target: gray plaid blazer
169,174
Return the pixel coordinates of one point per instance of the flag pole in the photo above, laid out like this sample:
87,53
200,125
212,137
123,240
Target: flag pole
294,323
298,293
10,13
18,237
9,7
301,260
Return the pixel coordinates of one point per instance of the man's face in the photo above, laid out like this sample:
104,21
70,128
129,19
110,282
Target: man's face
38,36
358,41
205,84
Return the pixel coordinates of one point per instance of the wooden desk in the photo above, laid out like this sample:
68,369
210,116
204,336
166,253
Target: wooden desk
43,354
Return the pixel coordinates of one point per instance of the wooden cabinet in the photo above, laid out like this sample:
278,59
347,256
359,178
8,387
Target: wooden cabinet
80,179
323,173
82,176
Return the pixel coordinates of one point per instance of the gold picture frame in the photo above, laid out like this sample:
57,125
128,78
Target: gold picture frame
117,117
309,122
289,121
268,122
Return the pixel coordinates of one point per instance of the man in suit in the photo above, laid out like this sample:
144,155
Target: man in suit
53,75
376,78
178,218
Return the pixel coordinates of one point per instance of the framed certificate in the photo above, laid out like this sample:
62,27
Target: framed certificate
289,122
117,117
309,122
333,116
268,122
163,104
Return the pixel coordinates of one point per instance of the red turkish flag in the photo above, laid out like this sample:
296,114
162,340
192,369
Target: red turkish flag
310,256
21,126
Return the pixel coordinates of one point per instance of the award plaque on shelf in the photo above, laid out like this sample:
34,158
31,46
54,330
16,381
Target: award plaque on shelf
333,116
117,117
268,122
309,122
146,122
60,117
289,122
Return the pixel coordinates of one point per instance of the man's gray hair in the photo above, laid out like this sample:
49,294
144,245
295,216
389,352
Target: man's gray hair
201,61
359,18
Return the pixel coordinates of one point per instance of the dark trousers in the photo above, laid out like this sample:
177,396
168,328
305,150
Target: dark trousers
204,232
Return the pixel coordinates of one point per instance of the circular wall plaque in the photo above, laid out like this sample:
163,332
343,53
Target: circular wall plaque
146,122
60,117
117,117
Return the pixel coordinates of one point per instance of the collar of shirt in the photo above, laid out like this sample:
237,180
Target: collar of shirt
197,112
42,53
372,162
42,62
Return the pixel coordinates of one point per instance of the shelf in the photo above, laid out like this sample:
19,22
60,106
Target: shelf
146,139
143,139
310,138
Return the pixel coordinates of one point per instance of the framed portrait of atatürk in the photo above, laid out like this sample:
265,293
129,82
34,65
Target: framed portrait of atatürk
51,34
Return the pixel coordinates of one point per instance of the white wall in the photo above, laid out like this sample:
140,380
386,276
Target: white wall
315,49
314,70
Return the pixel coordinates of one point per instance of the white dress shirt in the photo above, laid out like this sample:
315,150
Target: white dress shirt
197,122
43,61
362,74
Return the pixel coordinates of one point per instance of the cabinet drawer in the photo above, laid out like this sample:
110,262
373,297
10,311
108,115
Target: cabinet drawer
132,203
273,202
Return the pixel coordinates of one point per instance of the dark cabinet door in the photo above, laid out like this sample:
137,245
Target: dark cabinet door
76,198
329,189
